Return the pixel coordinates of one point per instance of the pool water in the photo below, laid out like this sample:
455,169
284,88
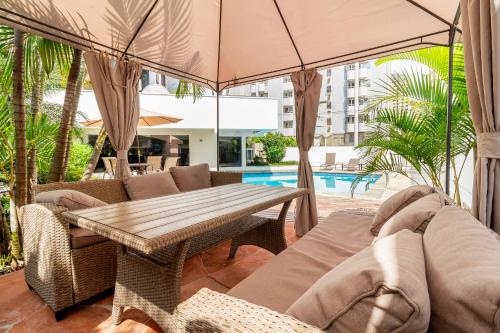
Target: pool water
323,181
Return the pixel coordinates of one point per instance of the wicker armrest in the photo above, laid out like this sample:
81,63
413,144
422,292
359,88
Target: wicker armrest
220,178
210,311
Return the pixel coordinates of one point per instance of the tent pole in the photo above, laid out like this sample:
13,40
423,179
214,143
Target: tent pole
449,113
218,93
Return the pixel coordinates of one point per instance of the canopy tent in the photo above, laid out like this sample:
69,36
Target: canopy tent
220,43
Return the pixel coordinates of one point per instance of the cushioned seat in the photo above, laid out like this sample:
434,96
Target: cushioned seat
279,283
82,238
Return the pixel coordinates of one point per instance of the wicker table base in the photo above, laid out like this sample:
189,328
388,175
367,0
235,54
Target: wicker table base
152,283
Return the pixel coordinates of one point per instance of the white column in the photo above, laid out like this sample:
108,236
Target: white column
356,103
243,151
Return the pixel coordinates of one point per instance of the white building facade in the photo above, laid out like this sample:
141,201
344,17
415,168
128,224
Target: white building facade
240,117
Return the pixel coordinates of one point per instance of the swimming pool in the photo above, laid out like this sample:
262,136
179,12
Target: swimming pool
323,181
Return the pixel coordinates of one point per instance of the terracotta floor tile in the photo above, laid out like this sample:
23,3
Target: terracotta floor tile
193,269
232,275
206,282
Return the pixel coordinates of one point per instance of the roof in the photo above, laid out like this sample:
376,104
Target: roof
222,43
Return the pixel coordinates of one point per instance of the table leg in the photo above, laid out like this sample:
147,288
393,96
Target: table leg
149,286
270,236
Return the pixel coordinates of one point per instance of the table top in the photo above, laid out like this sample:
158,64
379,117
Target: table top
151,224
139,164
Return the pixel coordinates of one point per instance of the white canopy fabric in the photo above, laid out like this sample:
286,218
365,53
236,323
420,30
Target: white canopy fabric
222,43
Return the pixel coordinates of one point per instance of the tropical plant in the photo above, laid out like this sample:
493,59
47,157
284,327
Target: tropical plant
59,160
275,146
408,118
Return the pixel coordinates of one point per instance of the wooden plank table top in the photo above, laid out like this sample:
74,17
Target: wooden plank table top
151,224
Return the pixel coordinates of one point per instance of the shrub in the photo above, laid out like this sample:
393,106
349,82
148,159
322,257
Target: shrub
275,146
78,158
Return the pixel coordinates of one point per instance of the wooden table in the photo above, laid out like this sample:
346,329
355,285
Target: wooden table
158,234
141,168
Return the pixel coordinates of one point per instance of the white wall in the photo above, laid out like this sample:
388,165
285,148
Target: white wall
317,154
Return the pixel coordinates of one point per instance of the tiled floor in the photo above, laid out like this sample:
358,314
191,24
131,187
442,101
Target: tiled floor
21,310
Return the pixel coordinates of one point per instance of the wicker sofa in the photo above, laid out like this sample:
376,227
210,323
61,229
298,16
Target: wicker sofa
462,264
61,268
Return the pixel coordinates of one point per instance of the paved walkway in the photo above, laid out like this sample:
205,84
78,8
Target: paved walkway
21,310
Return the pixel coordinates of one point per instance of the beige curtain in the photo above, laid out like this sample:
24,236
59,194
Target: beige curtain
307,87
482,66
115,82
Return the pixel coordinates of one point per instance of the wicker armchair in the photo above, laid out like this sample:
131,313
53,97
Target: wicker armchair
61,275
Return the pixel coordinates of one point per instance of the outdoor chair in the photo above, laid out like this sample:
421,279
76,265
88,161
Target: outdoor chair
154,164
64,264
329,162
109,167
170,162
352,165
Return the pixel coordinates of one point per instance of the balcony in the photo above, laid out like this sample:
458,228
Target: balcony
350,74
363,73
351,92
363,91
288,101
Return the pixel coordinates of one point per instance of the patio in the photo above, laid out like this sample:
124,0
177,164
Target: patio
21,310
414,262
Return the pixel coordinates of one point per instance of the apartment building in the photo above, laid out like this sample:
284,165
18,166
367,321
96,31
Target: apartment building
345,92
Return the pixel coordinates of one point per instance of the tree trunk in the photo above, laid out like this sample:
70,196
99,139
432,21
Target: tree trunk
74,111
36,107
56,172
99,143
20,136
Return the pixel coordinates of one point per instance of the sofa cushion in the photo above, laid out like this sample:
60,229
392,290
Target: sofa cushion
279,283
397,202
463,269
414,217
81,238
70,199
383,288
190,178
150,186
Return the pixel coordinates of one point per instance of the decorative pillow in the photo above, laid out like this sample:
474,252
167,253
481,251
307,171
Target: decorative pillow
190,178
397,202
414,217
70,199
150,186
462,260
383,288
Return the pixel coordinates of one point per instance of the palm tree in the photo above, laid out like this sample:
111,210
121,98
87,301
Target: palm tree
57,171
408,118
20,133
99,143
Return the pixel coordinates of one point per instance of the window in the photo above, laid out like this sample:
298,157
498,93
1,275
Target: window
287,109
328,89
287,79
287,93
363,101
263,94
288,124
364,64
350,84
329,105
329,72
350,101
253,94
329,121
350,67
329,80
364,83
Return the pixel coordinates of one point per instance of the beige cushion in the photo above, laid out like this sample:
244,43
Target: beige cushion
397,202
192,178
279,283
414,217
82,237
463,269
150,186
383,288
70,199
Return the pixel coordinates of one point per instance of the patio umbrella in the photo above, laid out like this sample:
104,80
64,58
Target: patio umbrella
146,119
